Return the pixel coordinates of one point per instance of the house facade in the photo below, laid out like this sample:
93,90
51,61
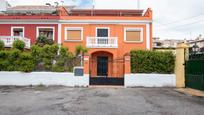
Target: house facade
109,35
28,22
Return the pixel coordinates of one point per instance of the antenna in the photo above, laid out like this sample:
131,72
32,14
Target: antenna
48,4
93,4
62,2
138,4
56,4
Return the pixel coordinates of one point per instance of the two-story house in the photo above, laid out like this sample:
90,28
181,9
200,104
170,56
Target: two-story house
110,35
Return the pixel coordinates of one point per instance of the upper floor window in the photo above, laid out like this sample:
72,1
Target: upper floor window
102,32
17,31
133,34
46,31
74,34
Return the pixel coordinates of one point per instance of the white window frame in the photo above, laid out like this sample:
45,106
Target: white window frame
73,28
16,27
102,28
45,27
134,29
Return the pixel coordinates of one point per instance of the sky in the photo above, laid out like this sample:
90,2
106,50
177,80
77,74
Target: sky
172,19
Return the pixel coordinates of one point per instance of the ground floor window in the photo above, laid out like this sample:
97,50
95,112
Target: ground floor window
133,35
17,31
46,31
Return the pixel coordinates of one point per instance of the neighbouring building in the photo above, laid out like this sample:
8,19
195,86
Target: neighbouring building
110,35
165,45
28,22
4,5
199,41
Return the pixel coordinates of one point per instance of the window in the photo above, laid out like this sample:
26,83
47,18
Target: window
74,34
133,34
45,31
17,31
102,32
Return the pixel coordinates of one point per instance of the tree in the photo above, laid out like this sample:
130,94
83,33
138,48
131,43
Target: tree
80,51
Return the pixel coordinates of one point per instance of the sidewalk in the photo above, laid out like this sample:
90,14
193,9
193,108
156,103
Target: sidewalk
190,91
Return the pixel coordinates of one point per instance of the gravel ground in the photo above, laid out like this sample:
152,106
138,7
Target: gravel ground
58,100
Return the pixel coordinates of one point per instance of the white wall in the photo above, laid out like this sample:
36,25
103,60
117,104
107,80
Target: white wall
150,80
45,78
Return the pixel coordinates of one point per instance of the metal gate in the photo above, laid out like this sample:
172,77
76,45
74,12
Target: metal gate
194,72
103,78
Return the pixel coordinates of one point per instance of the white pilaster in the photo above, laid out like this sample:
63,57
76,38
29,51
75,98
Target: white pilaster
148,36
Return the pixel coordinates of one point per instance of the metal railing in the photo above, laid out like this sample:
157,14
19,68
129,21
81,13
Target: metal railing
102,42
8,40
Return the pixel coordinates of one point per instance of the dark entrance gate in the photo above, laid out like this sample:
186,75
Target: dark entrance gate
194,72
104,69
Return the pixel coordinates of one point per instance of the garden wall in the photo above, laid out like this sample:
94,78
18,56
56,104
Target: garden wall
43,78
150,80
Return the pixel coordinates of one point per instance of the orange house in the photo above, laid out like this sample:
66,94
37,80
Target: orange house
109,35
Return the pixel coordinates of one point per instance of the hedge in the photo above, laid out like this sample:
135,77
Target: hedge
152,62
1,45
15,60
46,58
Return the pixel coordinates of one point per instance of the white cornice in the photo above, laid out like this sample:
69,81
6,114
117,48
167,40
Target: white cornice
50,21
28,21
105,21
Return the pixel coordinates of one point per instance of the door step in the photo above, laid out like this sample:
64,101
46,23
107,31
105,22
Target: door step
107,81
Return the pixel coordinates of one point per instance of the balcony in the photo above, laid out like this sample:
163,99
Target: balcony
102,42
8,40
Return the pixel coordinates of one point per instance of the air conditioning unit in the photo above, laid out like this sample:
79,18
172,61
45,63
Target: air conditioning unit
79,71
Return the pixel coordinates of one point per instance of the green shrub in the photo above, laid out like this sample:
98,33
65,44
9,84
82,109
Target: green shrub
18,44
15,60
49,55
152,62
26,62
36,52
64,61
43,40
4,63
1,45
44,58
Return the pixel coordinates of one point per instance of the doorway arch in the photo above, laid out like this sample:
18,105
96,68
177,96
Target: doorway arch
101,64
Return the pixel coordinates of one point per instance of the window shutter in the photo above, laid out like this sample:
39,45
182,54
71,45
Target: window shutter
133,35
73,34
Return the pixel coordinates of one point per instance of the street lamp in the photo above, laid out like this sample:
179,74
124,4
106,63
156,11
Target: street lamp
195,48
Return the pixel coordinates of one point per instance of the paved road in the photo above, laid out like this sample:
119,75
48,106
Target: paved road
97,101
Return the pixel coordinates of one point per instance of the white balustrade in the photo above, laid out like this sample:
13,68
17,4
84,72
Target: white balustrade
8,40
102,42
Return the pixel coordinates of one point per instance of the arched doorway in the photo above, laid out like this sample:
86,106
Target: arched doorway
101,64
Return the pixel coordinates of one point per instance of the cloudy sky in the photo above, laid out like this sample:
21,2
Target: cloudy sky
173,19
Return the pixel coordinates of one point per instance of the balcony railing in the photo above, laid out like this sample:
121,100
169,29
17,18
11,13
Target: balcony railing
102,42
8,40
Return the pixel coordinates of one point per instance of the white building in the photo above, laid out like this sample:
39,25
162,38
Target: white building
199,41
4,5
